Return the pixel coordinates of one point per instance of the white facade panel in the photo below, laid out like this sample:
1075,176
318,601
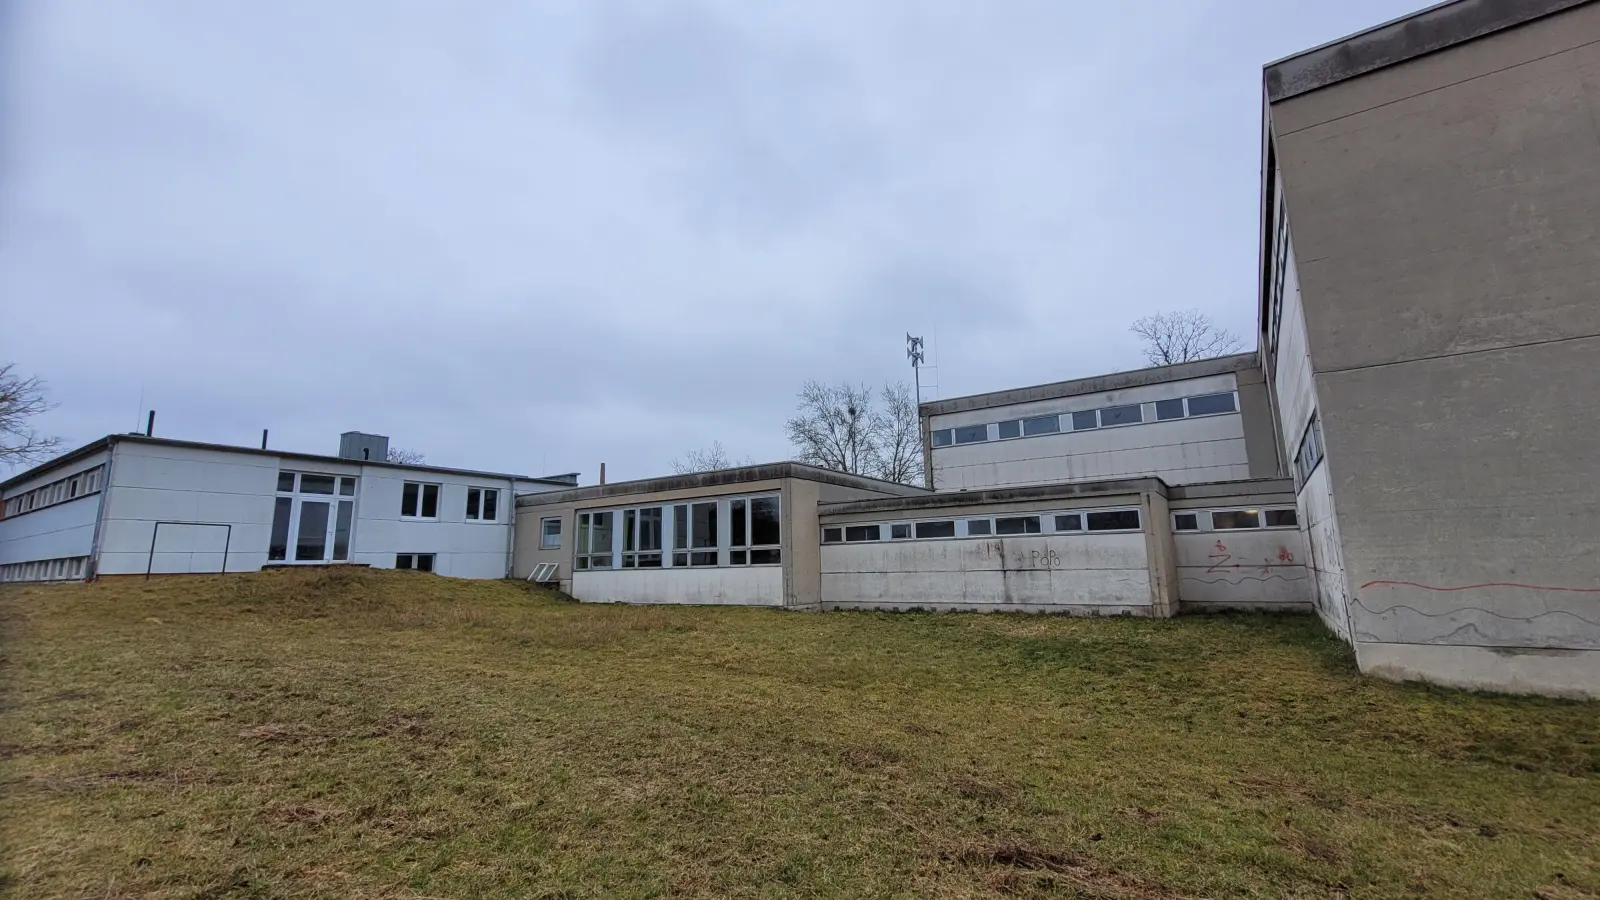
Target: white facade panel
1263,569
462,548
731,586
1066,573
56,532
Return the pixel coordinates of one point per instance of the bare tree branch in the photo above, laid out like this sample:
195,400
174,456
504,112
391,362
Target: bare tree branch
21,399
897,436
1183,336
832,428
708,459
406,457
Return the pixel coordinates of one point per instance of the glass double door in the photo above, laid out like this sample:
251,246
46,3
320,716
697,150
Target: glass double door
318,524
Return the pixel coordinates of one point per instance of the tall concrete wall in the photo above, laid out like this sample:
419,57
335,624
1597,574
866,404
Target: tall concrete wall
1443,214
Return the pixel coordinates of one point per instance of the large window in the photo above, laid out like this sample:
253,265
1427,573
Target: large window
419,500
483,505
594,540
641,538
313,518
753,531
550,533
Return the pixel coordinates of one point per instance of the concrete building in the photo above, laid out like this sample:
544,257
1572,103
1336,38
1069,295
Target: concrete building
129,503
1430,331
1185,424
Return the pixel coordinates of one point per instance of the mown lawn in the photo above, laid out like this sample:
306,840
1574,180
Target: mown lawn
384,734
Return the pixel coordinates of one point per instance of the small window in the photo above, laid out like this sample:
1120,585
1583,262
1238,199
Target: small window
768,556
1310,453
1169,409
408,498
853,533
72,488
1131,414
491,506
1017,525
1010,429
421,562
347,487
316,484
1234,519
735,557
550,533
1114,520
944,437
94,481
977,527
417,501
1186,522
945,529
972,434
1069,522
1041,425
899,532
1211,404
1083,421
1282,518
832,535
481,504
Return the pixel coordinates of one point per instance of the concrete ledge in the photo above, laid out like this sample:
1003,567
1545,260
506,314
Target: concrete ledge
1560,673
1186,608
1086,610
1227,489
717,478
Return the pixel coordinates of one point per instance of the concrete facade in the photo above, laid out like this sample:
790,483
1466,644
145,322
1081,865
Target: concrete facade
1441,176
1075,431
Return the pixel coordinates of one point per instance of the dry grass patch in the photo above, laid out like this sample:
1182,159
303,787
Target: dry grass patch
347,733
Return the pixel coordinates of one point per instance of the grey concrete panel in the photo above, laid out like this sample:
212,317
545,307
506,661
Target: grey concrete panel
1562,673
1095,385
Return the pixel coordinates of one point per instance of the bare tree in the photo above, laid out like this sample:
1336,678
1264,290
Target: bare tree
20,400
406,457
897,436
708,459
832,427
1183,336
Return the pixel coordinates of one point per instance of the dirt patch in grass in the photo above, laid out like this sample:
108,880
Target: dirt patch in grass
351,733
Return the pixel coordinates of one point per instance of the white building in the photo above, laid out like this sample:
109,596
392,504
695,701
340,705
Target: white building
130,504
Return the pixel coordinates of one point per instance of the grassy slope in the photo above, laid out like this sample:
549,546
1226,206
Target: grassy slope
350,734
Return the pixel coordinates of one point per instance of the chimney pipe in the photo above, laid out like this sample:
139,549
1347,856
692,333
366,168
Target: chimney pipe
366,453
150,424
602,473
263,439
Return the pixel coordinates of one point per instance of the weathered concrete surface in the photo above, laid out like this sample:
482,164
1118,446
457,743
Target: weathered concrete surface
947,504
1243,570
1099,384
1561,673
1260,430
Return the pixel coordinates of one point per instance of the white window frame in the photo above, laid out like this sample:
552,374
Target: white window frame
413,559
422,487
477,498
335,501
747,548
544,536
1205,524
631,529
583,533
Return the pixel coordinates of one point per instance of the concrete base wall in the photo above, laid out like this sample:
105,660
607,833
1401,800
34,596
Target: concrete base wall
752,586
1562,673
1257,570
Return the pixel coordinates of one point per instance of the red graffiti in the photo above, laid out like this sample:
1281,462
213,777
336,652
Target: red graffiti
1284,556
1487,584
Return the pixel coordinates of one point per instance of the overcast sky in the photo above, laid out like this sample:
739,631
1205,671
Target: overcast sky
535,236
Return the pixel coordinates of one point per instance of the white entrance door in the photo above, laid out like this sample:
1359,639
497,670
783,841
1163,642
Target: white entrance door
319,520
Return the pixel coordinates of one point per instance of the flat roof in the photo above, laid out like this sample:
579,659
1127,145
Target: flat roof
1424,31
718,478
106,442
1055,390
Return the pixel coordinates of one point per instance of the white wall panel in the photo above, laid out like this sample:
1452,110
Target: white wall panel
461,548
732,586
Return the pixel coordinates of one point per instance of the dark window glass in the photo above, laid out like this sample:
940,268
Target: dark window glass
341,529
279,546
764,527
316,484
472,503
1116,520
347,487
899,532
680,529
972,434
1234,519
1041,425
1069,522
766,557
629,517
627,560
425,562
736,524
1121,415
1017,525
680,559
403,561
601,532
581,562
1011,429
649,560
1186,522
408,499
703,558
600,562
1282,518
312,541
737,557
832,535
650,529
943,438
430,501
703,526
286,481
977,526
1083,421
936,529
491,504
1169,409
861,533
1211,404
